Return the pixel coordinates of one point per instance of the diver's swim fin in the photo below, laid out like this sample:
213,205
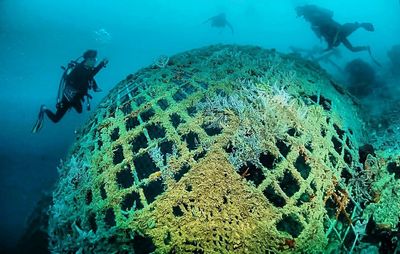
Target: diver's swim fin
373,58
39,123
368,26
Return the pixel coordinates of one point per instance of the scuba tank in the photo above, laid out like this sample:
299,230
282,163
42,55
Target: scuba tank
66,71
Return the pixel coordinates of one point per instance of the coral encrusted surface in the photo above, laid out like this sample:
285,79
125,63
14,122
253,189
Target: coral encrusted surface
221,149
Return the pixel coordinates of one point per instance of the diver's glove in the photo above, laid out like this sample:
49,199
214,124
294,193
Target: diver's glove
59,105
104,62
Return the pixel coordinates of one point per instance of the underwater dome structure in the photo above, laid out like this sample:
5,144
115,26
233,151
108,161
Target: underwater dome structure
222,149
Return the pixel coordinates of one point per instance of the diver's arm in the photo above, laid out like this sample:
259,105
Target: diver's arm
208,20
101,65
348,45
330,47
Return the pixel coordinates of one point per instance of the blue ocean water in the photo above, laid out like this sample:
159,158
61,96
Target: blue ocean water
37,37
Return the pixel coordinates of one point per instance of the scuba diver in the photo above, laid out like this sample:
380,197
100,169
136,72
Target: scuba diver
219,21
332,32
75,83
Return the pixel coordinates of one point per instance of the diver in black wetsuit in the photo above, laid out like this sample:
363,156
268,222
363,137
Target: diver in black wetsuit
76,86
220,21
332,32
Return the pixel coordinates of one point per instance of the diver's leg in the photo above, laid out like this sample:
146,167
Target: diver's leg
368,26
349,28
56,117
77,105
349,46
53,117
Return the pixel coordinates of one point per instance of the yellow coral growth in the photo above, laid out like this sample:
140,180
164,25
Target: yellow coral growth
218,212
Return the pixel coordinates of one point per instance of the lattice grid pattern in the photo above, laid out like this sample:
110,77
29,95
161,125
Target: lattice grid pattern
160,163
